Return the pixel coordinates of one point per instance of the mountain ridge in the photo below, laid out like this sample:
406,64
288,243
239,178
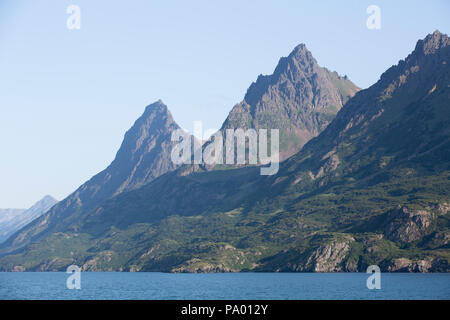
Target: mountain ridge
18,218
372,188
299,98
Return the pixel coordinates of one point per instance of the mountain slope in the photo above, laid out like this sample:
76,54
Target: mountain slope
143,156
372,188
378,174
12,220
403,115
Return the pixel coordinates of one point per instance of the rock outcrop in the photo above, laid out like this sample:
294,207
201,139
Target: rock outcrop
428,264
406,226
328,257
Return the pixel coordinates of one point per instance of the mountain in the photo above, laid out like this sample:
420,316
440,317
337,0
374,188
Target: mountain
300,99
372,188
12,220
7,215
378,177
143,156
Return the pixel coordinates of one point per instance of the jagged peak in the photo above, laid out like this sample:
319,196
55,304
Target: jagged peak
156,120
432,43
157,111
299,57
301,53
157,106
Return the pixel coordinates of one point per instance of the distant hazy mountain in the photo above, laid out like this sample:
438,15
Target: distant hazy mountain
11,220
372,188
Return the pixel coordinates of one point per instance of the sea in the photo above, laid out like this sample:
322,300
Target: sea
218,286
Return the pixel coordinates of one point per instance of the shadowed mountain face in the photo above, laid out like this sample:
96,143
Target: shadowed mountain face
372,188
143,156
12,220
300,99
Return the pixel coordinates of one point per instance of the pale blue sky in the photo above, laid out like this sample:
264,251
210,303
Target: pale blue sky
68,96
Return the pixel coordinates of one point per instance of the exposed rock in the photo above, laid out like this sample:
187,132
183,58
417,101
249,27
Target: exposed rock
351,266
18,269
328,258
442,208
428,264
407,226
330,165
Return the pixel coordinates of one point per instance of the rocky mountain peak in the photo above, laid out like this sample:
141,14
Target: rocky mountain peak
145,150
401,120
144,155
432,43
157,114
300,98
157,108
299,61
156,120
430,57
301,53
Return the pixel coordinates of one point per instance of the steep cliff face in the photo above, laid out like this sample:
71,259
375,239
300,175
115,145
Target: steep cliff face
328,257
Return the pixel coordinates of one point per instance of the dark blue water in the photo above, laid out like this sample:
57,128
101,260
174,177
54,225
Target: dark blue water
232,286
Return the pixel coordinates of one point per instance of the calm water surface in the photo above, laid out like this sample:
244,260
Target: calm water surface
232,286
